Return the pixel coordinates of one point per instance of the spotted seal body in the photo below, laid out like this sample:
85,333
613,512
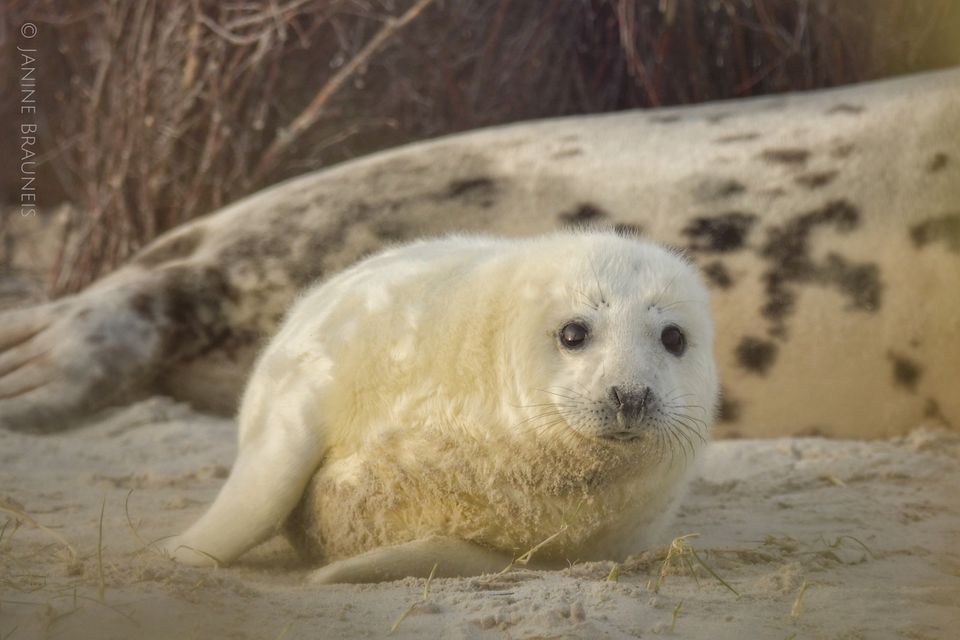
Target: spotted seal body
476,394
827,223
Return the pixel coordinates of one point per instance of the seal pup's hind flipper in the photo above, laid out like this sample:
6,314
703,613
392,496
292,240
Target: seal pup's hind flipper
452,558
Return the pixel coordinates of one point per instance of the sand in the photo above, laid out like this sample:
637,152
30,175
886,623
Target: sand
819,539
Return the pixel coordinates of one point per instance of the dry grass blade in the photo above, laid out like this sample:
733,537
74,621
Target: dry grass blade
681,550
524,559
217,562
426,587
145,544
418,604
102,584
614,575
839,542
797,609
29,521
713,573
133,529
673,551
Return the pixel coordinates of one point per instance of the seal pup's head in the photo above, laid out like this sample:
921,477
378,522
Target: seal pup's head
624,344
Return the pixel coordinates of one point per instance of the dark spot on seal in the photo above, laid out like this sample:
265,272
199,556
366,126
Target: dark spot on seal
945,229
786,156
860,283
584,213
788,252
628,230
816,179
717,189
567,153
932,410
756,355
479,190
729,410
390,230
775,192
813,431
779,304
718,117
256,249
330,250
737,137
180,246
665,119
938,162
308,270
142,305
96,338
719,234
852,109
906,372
195,302
458,188
843,150
718,275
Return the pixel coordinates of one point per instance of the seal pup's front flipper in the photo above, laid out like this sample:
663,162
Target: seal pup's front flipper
281,446
452,558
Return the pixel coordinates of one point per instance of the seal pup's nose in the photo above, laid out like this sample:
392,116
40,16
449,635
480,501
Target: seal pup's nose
631,403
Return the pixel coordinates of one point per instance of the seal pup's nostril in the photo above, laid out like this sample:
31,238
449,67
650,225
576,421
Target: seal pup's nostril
645,396
615,395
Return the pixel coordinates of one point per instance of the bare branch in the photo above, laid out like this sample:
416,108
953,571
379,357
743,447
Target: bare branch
309,116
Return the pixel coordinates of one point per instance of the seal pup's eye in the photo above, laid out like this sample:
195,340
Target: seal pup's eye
673,340
573,335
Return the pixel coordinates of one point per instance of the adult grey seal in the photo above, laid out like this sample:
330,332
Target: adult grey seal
827,223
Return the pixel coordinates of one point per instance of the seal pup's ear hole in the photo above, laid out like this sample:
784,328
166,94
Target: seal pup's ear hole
573,335
674,340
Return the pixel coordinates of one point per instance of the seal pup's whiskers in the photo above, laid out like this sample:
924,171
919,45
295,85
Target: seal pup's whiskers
596,277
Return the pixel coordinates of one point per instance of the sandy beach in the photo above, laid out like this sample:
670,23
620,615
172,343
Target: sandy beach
807,538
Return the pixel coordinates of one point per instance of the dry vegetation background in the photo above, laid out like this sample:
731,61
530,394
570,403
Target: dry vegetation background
157,111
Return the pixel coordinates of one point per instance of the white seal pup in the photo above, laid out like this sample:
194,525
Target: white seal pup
458,401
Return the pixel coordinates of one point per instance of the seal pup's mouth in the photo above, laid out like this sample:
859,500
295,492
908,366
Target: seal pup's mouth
635,433
625,415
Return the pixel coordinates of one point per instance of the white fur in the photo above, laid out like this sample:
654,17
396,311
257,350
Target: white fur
453,418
